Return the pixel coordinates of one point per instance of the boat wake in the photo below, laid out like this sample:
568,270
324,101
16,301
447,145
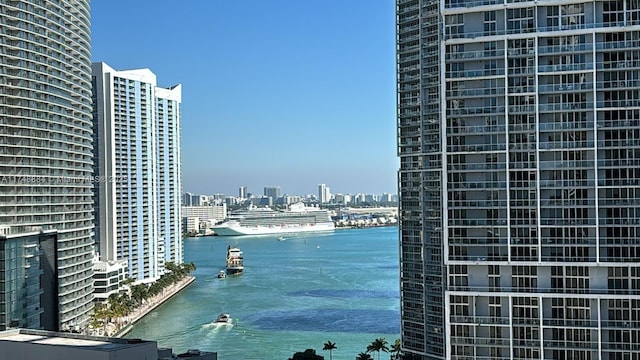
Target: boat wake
216,326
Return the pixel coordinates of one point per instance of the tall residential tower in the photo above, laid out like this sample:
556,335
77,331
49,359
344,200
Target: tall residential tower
45,163
519,145
137,161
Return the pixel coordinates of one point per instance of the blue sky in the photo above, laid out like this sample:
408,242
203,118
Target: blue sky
289,93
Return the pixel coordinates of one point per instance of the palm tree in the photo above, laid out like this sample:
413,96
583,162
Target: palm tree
396,350
364,356
379,344
330,346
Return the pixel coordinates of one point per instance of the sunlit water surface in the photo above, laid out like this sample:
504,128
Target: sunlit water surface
296,293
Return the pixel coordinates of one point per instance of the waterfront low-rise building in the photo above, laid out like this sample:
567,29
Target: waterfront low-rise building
191,224
215,213
108,278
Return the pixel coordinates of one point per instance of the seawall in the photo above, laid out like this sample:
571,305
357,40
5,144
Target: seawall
152,304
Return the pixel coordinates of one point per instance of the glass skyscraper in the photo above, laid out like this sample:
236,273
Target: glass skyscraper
46,141
519,144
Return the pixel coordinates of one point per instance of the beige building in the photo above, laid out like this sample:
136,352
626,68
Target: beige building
214,213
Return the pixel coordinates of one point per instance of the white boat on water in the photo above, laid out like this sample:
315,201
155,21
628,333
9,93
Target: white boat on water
265,221
223,319
222,274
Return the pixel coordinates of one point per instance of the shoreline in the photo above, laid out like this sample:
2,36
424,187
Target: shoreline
136,315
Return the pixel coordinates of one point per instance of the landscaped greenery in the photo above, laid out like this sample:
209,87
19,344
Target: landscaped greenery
122,304
377,345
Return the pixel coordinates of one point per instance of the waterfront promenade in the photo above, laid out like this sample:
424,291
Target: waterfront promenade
120,326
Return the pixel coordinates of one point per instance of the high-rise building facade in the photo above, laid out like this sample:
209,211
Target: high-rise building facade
46,140
519,182
324,194
272,191
138,192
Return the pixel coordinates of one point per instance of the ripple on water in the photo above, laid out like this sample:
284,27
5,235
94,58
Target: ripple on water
328,320
370,294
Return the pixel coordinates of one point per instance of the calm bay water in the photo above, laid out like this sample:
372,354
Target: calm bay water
295,294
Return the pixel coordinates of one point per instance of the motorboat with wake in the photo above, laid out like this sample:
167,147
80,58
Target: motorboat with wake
223,319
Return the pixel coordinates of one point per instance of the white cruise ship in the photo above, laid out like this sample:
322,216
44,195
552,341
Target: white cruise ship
264,221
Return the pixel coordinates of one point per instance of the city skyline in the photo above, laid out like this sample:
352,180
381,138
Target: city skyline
260,191
290,93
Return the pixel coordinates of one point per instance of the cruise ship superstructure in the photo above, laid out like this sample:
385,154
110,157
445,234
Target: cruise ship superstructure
265,221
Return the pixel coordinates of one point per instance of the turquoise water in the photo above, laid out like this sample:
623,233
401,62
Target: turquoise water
295,294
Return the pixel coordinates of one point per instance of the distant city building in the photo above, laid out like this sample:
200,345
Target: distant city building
292,199
216,199
231,200
203,200
273,192
190,199
359,198
519,143
324,194
46,149
137,159
187,199
242,192
262,201
215,213
191,224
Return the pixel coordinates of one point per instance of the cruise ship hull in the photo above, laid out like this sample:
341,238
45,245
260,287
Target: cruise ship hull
226,229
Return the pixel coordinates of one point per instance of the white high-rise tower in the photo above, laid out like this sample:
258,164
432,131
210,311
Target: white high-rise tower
138,162
324,194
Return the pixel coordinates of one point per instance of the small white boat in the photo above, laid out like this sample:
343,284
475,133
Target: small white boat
282,238
223,319
222,274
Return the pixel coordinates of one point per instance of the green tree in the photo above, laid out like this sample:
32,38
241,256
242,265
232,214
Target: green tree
308,354
396,350
139,293
379,344
364,356
330,346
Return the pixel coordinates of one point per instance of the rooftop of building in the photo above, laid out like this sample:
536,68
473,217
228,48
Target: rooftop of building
53,338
